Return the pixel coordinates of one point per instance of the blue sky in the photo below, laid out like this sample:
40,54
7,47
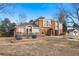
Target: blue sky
33,11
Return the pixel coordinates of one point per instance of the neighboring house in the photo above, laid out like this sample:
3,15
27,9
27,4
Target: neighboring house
73,32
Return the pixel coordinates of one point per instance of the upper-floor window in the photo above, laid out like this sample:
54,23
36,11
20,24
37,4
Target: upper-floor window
46,23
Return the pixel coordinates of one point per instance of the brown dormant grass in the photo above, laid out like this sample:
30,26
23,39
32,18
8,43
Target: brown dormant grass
45,46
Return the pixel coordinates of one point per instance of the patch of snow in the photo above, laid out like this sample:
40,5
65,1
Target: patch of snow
72,39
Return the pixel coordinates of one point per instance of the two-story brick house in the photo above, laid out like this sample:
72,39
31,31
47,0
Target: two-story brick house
42,26
49,26
46,26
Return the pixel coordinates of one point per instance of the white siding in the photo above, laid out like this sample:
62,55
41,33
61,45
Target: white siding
60,26
21,29
35,30
56,26
46,23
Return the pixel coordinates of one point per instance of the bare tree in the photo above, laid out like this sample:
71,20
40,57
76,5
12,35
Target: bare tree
22,18
71,15
62,18
74,15
5,8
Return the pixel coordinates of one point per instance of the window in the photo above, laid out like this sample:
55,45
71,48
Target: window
48,24
30,30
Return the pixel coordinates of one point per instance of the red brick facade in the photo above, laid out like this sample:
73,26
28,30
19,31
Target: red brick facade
45,29
48,29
